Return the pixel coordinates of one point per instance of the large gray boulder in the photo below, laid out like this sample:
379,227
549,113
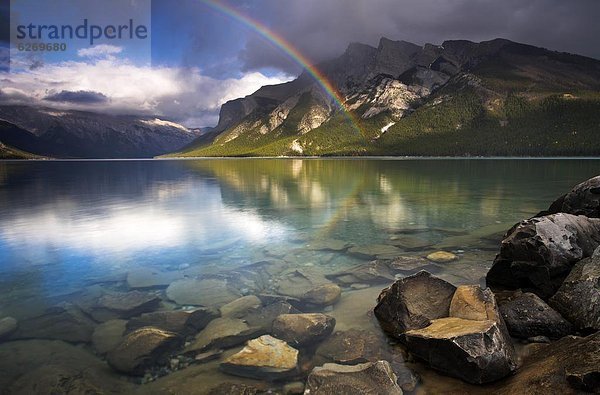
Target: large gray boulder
372,378
538,253
526,315
578,298
413,302
583,199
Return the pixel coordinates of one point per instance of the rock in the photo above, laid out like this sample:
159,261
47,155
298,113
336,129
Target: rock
412,243
223,333
578,298
208,356
263,318
538,253
374,251
351,347
303,329
263,358
149,278
529,316
567,366
241,306
297,282
470,302
7,326
372,378
409,264
123,305
66,323
108,335
233,389
142,349
583,199
209,292
442,257
323,295
268,299
328,245
184,323
539,339
374,272
474,351
412,302
294,388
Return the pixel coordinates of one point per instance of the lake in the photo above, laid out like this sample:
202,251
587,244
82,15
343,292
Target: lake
72,232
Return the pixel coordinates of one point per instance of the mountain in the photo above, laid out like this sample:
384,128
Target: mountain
495,97
78,134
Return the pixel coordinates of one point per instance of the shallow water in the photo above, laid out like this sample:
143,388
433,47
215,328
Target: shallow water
73,228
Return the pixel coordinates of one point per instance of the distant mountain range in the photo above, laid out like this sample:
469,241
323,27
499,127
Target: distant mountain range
26,132
460,98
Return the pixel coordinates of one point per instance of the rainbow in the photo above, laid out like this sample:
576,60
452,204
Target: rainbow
289,49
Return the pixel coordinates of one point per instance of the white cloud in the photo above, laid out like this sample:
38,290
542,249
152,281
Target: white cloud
99,51
183,95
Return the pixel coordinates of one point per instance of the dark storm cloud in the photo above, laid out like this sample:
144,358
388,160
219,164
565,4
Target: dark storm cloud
79,97
321,29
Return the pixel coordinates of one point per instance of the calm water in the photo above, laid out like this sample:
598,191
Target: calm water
66,227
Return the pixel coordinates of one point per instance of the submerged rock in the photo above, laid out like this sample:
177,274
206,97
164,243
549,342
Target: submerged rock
374,251
442,257
578,298
538,253
263,358
328,245
182,322
209,292
373,378
474,351
351,347
233,389
528,316
241,306
123,305
108,335
412,302
323,295
7,326
142,349
374,272
411,243
66,323
303,329
223,333
263,318
409,264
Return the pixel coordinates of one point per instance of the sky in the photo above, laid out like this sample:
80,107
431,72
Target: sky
196,57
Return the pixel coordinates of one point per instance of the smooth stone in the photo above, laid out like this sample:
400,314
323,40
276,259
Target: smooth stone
527,316
538,254
474,351
241,306
263,318
373,251
578,298
409,264
182,322
442,257
351,347
374,272
328,245
265,358
123,305
149,278
412,243
7,326
303,329
294,388
323,295
201,292
108,335
142,349
372,378
57,323
223,333
412,302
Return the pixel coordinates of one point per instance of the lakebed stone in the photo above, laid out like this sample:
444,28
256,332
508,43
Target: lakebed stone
241,306
108,335
301,330
442,257
411,243
7,326
372,378
265,357
223,332
528,316
142,349
351,347
374,272
412,302
209,292
182,322
322,295
374,251
66,323
123,305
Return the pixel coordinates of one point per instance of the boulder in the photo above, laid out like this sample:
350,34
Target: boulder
374,272
263,318
241,306
528,316
263,358
123,305
208,292
374,251
372,378
474,351
578,298
442,257
65,323
322,295
301,330
108,335
182,322
471,302
583,199
223,333
142,349
351,347
412,302
538,253
7,326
